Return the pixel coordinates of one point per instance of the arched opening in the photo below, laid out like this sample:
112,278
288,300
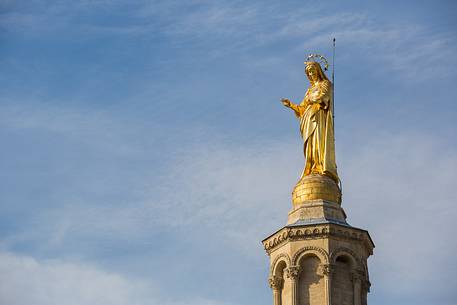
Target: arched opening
342,286
279,272
311,285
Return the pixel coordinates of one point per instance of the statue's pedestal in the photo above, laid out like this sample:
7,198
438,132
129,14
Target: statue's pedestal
314,187
317,210
316,198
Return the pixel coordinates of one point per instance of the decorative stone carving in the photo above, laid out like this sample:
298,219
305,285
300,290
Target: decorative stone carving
326,269
275,282
293,272
315,232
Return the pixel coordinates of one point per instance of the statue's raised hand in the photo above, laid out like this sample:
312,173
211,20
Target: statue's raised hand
286,102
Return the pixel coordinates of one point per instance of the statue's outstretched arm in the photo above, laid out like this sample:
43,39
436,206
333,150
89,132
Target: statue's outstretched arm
298,110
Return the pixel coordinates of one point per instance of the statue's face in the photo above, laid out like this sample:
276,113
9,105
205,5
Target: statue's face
312,73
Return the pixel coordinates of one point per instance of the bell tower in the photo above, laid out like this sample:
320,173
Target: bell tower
317,258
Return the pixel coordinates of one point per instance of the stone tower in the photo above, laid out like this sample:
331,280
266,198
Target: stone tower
318,258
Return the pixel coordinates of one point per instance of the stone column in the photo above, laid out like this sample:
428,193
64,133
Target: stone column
276,283
357,283
293,273
326,271
365,289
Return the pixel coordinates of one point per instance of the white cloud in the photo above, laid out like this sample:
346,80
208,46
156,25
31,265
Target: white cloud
28,281
25,280
226,190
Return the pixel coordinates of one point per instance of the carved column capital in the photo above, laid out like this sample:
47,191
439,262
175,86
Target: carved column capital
326,269
293,272
275,282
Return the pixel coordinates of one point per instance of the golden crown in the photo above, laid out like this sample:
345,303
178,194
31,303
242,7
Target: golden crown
319,59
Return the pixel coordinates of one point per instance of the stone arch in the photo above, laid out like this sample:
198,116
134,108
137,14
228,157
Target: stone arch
355,259
280,258
319,252
348,275
311,262
277,275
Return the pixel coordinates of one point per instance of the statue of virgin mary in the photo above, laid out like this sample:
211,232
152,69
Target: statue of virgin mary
315,113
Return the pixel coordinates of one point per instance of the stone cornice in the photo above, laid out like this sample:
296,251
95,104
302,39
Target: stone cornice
316,231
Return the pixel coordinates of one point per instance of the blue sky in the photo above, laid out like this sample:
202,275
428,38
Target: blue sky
145,152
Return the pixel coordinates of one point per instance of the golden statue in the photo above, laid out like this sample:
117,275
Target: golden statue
316,123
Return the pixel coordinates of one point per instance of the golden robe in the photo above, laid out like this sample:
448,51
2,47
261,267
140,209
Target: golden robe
316,126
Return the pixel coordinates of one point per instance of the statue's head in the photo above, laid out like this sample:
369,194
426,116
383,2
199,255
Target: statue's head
314,72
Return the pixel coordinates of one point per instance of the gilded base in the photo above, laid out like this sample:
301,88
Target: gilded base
314,187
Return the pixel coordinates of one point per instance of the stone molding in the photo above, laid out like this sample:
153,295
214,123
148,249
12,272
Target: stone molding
281,257
359,272
319,252
316,231
344,250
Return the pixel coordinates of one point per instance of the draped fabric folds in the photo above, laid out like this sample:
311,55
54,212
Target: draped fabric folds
316,126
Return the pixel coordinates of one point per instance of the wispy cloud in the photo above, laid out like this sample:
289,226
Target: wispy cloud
26,280
56,282
87,126
411,51
408,52
391,188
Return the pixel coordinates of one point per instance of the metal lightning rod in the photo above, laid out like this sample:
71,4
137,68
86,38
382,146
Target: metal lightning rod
333,102
333,84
